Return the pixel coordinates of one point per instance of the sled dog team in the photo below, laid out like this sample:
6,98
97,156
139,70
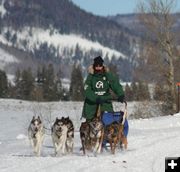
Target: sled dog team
92,135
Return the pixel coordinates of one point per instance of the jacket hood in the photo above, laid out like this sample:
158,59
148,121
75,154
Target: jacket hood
91,69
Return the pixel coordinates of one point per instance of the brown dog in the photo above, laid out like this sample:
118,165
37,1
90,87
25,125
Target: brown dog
84,136
114,135
122,139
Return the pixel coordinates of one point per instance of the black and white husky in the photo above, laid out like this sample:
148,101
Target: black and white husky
36,134
62,135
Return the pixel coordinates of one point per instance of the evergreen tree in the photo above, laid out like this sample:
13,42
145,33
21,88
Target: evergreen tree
39,77
58,86
11,91
8,35
17,82
14,39
48,83
3,84
38,91
65,94
27,84
43,81
76,86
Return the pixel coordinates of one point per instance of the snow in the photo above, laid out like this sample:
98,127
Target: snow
21,136
65,83
6,58
36,36
150,141
2,9
11,79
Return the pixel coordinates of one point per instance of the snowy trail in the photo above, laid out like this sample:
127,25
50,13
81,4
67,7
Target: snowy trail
150,141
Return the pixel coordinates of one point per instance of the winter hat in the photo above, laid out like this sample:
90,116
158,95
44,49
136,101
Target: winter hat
98,61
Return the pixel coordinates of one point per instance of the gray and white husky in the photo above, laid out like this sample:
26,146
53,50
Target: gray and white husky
59,136
63,135
36,134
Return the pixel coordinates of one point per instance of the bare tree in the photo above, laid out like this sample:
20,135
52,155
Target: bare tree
156,17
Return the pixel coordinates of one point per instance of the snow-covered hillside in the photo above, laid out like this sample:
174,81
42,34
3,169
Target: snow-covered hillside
150,141
34,37
6,58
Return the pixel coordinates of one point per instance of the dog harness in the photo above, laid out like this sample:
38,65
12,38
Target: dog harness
95,131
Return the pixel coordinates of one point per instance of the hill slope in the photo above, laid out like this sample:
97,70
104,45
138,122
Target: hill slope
66,18
62,33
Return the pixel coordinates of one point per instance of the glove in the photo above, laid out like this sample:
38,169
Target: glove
121,98
99,100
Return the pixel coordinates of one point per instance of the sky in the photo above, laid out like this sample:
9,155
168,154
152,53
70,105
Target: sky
111,7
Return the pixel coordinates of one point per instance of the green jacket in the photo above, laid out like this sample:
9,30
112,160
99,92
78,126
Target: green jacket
99,85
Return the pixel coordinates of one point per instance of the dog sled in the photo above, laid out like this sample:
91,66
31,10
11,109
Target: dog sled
119,117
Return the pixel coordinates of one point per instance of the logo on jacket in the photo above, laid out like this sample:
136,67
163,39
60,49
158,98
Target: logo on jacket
99,84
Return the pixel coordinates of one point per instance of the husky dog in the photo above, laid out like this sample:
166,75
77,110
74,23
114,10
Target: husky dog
36,134
112,135
91,135
70,134
59,135
96,134
84,136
